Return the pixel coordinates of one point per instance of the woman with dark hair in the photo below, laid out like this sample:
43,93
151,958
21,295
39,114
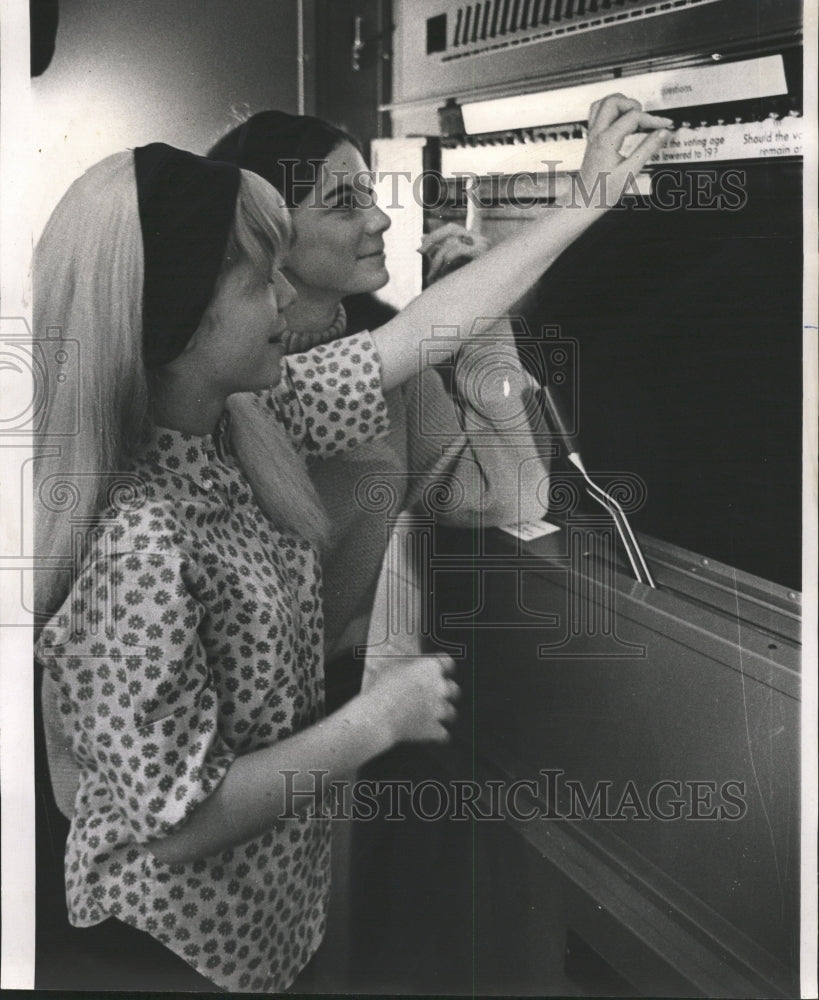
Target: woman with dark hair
474,436
478,435
475,441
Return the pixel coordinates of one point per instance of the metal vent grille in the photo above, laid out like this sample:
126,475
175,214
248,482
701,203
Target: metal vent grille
487,25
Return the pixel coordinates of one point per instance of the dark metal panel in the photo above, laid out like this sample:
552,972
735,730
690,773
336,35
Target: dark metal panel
643,702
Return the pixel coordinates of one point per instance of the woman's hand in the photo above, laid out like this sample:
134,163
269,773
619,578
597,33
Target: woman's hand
605,172
489,285
413,698
449,247
410,700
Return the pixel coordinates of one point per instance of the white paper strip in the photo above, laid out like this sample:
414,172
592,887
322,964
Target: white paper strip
674,88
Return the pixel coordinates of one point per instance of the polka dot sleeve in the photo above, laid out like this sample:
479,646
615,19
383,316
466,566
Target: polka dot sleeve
136,692
330,399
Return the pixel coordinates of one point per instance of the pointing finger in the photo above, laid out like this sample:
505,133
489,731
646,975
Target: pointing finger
609,110
631,122
638,157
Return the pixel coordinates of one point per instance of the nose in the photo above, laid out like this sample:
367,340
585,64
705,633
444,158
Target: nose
377,220
285,292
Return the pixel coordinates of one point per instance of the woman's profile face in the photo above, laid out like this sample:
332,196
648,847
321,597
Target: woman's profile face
339,229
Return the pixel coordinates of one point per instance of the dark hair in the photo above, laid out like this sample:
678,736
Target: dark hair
286,150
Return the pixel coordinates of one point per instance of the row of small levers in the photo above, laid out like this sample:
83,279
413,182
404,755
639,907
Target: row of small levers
771,137
480,21
511,137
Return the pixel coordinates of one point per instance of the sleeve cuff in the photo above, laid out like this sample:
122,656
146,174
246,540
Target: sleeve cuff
340,395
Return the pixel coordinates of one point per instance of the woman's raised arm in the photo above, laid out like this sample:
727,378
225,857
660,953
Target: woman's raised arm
487,287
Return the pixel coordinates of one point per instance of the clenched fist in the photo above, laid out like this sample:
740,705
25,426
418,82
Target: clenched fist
414,698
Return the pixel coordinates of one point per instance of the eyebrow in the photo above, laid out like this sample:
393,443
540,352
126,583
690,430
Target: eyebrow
346,188
338,190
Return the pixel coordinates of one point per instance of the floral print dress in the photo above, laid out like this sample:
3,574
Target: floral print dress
193,634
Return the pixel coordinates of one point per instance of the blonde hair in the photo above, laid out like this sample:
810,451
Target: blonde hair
87,285
88,280
261,234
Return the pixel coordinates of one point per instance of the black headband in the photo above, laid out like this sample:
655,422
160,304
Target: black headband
187,205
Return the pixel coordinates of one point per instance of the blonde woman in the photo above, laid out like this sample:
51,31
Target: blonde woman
186,651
